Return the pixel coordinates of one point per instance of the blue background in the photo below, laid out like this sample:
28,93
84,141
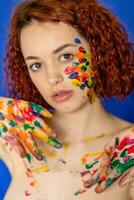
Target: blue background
124,10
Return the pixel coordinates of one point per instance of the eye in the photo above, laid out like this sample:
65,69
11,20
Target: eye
66,57
35,67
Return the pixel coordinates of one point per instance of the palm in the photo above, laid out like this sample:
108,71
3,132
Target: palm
22,120
117,158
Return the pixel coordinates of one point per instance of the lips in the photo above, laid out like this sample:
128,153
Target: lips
61,95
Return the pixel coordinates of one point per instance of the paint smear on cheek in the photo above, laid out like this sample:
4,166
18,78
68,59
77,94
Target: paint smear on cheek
81,71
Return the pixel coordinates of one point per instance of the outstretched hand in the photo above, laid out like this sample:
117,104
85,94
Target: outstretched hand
116,161
21,121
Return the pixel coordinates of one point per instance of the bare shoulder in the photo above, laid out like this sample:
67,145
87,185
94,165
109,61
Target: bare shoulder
127,130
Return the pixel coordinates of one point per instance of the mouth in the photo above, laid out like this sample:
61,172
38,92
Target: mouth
62,95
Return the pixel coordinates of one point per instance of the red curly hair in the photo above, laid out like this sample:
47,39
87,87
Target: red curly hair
112,53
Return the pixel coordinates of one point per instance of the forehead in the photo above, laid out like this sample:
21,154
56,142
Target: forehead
47,36
43,38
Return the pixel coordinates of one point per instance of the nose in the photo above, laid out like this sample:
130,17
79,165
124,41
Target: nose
55,79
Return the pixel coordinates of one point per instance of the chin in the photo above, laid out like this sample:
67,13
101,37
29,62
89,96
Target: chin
71,108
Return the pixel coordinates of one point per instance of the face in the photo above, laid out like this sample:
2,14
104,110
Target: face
59,64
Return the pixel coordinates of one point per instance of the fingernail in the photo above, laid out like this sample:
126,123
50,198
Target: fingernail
54,135
54,143
38,155
23,154
58,144
99,189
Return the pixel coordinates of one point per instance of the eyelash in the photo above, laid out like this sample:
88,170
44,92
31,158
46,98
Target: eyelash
31,66
70,59
39,64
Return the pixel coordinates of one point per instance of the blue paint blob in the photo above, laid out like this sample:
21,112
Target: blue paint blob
73,75
2,117
77,41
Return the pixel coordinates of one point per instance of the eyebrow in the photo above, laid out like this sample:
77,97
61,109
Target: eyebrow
54,51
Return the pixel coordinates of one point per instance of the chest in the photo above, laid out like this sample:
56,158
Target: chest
59,177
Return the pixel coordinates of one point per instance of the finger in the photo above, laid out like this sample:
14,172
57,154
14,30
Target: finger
40,109
124,138
91,175
5,102
47,139
21,148
127,178
101,170
8,104
16,144
43,132
42,127
115,174
103,184
27,140
89,179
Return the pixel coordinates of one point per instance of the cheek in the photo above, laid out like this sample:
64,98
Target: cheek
40,84
81,73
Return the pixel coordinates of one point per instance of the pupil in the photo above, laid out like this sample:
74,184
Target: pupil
67,56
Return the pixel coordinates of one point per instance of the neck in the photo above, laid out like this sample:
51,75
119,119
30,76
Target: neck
89,121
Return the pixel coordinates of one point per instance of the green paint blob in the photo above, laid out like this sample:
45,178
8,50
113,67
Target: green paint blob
12,123
96,179
82,86
124,153
75,64
54,143
84,60
77,193
87,63
27,126
37,123
110,181
84,68
89,85
124,166
88,55
3,128
28,157
9,102
114,164
89,166
36,107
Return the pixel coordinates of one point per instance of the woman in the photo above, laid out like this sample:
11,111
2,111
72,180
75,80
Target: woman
67,55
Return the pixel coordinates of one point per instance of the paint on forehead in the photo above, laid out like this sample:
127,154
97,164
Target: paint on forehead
81,72
77,41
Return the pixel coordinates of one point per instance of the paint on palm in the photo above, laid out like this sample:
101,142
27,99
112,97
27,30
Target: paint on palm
81,72
20,119
120,153
109,165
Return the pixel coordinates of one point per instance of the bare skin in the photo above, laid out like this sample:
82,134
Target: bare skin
49,184
80,120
